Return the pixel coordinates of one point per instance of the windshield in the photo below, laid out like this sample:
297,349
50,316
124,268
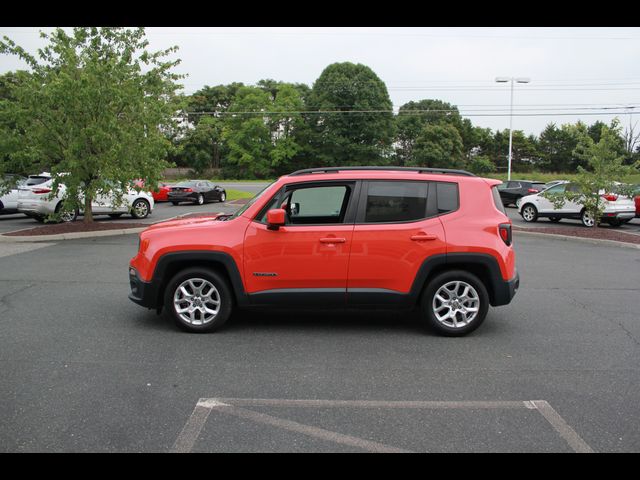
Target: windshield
250,202
185,184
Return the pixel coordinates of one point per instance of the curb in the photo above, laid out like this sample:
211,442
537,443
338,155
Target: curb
593,241
70,236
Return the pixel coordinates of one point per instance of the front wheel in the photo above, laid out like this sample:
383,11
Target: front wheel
455,303
223,197
529,213
200,199
198,300
140,209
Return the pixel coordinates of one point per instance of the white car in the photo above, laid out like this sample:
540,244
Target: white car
34,200
9,201
617,208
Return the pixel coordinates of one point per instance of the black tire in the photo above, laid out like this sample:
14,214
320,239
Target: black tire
223,197
39,218
140,208
67,216
174,203
429,303
586,219
555,219
200,199
115,215
224,296
529,213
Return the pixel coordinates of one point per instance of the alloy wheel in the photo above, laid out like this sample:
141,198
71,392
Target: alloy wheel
456,304
196,301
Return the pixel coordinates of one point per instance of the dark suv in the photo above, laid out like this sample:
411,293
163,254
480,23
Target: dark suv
351,237
512,190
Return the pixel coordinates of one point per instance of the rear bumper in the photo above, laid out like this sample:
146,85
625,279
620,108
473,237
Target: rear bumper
505,290
187,197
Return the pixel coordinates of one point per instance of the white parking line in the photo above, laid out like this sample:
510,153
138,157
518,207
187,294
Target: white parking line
560,426
233,406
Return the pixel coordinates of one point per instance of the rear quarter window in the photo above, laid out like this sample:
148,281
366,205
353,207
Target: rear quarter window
497,200
447,197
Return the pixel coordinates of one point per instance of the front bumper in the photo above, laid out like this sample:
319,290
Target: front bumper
143,293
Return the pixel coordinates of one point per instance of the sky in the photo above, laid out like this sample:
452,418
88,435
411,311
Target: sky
575,73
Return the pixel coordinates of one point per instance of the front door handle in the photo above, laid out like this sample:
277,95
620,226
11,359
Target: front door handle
333,240
421,237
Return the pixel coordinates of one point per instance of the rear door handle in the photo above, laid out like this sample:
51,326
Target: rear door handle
421,237
333,240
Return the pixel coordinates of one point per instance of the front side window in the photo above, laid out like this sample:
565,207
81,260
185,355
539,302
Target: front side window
393,201
316,205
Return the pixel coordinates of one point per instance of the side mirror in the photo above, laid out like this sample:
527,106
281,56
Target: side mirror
275,218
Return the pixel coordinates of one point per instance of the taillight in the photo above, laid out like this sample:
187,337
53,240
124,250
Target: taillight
188,189
533,190
505,233
40,191
610,197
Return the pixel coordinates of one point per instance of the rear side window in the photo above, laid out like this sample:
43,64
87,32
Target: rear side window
391,201
497,200
447,195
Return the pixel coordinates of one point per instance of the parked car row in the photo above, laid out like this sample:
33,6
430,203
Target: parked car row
618,209
32,197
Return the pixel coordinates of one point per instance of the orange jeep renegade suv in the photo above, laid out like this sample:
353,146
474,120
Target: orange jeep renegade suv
349,237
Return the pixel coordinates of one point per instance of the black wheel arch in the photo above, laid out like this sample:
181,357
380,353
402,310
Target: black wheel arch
482,265
171,263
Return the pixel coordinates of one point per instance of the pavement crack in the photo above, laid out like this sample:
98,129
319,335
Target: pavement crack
599,314
5,305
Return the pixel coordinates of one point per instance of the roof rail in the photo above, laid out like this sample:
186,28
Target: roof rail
444,171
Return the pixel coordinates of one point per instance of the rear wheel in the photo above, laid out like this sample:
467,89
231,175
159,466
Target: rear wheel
529,213
140,208
174,203
587,219
455,303
198,300
66,216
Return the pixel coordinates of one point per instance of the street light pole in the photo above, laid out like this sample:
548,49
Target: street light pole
504,80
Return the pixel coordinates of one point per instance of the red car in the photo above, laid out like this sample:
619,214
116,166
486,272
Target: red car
352,237
160,194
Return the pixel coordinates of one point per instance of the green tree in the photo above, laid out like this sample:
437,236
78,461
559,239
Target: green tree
524,151
481,165
261,144
412,118
438,146
200,148
604,167
93,109
360,132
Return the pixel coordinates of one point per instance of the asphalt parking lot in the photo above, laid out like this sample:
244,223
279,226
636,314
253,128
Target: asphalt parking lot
85,369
